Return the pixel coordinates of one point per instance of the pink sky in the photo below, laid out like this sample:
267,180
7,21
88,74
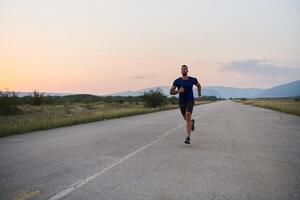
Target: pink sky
103,47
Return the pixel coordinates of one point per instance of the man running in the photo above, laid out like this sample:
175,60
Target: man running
184,87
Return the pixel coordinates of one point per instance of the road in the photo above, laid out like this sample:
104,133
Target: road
237,152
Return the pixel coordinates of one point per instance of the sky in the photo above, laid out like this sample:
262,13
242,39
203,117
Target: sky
107,46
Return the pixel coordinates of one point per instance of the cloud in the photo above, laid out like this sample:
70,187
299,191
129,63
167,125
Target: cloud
149,76
260,67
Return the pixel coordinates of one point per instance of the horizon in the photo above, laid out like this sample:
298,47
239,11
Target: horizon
146,89
106,47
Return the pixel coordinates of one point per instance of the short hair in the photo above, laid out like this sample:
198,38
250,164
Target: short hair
184,66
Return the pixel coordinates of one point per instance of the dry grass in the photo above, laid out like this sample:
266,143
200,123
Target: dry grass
43,117
290,106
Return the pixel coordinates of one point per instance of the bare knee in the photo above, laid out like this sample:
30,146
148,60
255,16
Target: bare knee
188,116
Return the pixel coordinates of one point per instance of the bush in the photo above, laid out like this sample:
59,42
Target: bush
297,98
208,98
173,100
8,103
154,98
68,108
37,98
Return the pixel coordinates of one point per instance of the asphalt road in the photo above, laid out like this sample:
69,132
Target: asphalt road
236,152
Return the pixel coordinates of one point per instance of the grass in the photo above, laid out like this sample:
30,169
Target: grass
44,117
291,106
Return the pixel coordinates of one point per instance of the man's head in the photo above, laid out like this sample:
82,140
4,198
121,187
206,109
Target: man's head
184,70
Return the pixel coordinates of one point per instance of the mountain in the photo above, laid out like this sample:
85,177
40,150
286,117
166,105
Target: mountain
165,91
287,90
218,91
23,94
231,92
206,91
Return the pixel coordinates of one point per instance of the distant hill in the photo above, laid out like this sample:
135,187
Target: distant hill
227,92
140,92
206,91
23,94
218,91
287,90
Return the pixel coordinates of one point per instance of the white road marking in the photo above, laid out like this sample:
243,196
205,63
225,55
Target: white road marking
84,181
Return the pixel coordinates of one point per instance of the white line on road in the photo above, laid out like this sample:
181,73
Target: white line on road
84,181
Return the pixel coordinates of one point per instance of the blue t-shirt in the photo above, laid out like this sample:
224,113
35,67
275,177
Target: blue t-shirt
188,94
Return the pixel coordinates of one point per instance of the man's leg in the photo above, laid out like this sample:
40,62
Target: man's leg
182,110
188,119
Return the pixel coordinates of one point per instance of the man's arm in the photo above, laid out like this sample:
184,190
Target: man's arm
174,92
198,88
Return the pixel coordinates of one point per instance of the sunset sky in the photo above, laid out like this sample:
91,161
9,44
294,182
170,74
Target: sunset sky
107,46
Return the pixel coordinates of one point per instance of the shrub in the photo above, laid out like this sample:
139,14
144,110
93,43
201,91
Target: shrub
297,98
37,98
154,98
8,103
173,100
208,98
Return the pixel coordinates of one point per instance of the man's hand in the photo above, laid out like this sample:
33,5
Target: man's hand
181,90
199,94
174,92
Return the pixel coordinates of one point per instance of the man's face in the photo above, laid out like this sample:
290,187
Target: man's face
184,71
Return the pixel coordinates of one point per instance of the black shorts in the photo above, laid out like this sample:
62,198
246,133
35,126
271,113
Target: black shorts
186,107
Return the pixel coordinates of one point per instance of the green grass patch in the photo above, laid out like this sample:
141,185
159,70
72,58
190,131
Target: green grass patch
44,117
291,106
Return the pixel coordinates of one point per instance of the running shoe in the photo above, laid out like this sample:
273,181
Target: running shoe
187,140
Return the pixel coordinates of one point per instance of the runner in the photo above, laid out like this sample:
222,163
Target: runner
184,85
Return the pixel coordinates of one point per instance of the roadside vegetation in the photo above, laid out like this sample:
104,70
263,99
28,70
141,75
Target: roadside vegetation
287,105
39,112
